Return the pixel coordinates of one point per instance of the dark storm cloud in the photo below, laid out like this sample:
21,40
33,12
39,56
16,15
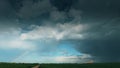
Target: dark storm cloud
8,18
103,36
63,5
6,10
102,42
102,17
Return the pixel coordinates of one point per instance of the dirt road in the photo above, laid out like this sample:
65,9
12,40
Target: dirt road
37,66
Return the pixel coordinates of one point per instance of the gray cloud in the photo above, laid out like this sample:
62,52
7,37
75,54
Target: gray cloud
32,10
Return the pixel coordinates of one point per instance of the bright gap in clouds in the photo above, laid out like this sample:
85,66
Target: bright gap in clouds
43,41
35,58
64,53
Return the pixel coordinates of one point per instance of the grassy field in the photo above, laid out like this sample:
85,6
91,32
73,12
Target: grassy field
16,65
95,65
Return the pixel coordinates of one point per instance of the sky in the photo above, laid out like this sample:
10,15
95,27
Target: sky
59,31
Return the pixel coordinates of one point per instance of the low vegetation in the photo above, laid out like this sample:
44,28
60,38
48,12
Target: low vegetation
93,65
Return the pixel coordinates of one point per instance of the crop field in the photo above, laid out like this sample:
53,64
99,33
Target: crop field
93,65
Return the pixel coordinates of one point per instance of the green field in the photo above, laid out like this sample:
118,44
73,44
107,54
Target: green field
94,65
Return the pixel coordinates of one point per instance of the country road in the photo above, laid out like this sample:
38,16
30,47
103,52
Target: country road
37,66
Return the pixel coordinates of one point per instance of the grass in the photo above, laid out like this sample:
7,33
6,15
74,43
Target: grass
94,65
16,65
